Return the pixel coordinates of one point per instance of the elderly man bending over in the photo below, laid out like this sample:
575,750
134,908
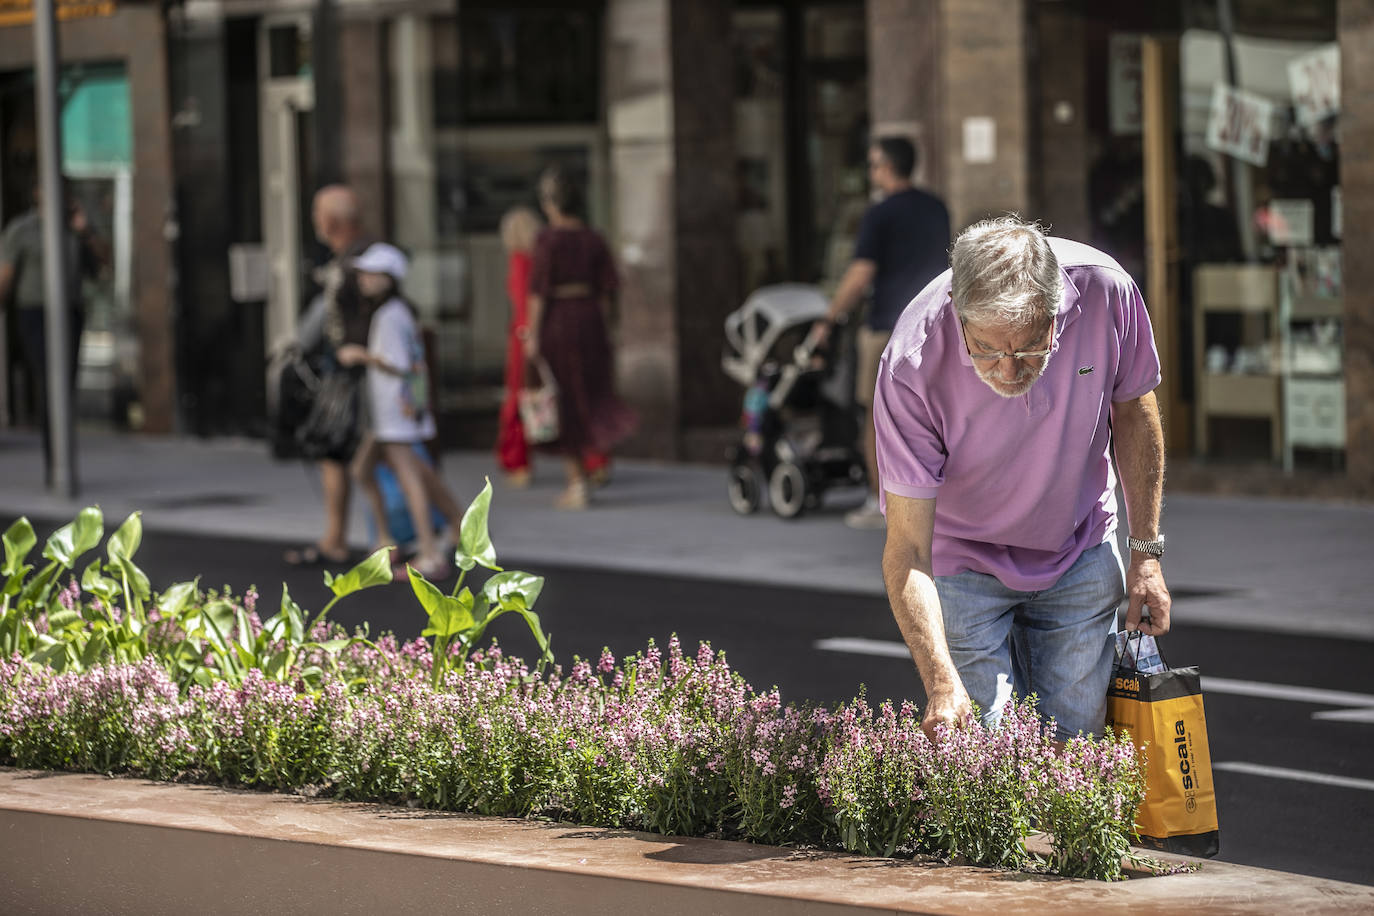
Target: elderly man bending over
1008,384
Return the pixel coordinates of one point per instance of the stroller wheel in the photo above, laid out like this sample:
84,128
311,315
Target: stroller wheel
787,490
745,489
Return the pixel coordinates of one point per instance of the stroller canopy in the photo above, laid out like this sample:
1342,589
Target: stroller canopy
752,330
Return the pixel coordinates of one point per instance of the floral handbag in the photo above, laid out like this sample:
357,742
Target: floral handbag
539,407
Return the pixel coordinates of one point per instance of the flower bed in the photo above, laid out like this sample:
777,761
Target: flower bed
104,676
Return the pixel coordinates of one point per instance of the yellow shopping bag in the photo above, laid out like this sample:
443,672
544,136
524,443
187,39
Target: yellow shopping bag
1163,712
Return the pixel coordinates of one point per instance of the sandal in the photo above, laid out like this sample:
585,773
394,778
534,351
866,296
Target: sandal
314,555
575,497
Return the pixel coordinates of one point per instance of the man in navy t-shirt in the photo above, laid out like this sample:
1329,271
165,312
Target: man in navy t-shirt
903,244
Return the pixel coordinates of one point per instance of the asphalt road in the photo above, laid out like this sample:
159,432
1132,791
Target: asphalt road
1295,792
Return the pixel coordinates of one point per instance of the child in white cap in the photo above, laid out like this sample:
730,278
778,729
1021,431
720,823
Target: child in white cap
400,408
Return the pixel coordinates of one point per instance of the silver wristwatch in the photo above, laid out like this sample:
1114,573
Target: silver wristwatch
1154,548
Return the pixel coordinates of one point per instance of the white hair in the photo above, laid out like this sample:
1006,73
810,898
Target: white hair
1004,272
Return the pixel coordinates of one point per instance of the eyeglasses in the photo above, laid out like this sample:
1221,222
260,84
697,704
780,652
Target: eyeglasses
999,355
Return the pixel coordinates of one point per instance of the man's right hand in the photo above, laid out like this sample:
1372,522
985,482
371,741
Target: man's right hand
950,707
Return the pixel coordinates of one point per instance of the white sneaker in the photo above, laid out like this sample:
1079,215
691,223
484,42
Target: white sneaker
866,516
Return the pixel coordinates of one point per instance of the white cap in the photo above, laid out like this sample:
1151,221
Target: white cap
381,258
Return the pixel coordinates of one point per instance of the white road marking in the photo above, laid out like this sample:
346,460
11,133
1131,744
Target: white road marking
1314,695
1351,707
1322,779
858,646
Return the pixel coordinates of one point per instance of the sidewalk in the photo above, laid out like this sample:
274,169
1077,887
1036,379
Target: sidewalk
1279,565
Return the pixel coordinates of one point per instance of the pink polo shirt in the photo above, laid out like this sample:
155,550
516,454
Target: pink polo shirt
1022,486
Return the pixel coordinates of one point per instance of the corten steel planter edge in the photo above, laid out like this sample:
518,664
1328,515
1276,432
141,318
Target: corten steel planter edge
79,843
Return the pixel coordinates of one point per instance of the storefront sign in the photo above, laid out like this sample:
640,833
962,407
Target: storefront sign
1291,221
20,12
980,140
1240,124
1316,82
1124,82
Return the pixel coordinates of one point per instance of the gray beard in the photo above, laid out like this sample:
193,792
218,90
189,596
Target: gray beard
1027,376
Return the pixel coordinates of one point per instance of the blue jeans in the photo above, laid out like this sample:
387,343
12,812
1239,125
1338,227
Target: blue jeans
1058,643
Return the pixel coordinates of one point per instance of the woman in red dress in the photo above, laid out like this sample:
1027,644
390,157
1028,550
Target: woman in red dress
520,226
572,281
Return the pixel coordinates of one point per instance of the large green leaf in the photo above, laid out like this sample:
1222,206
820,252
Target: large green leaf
375,570
121,548
97,583
448,616
295,618
95,648
68,543
126,540
513,590
474,538
218,619
19,540
174,601
35,591
60,620
245,630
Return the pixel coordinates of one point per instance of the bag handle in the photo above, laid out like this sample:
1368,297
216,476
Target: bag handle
1134,657
546,378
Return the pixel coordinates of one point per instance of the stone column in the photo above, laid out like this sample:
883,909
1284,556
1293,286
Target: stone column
904,79
984,67
1062,163
670,117
1355,24
706,191
639,119
363,113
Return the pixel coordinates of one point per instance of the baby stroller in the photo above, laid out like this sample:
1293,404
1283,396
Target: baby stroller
799,427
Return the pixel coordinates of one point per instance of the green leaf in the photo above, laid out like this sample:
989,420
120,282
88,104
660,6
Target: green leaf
125,541
295,617
100,585
174,600
50,652
513,590
375,570
218,617
335,646
35,592
276,665
245,631
95,648
474,539
136,578
19,540
448,616
68,543
62,619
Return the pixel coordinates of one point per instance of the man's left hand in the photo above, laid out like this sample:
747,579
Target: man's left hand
1146,589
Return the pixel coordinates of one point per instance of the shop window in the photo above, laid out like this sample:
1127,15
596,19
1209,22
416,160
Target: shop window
526,65
1260,229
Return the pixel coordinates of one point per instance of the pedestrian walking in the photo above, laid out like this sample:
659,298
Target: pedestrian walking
1007,388
520,228
902,245
334,319
572,285
400,409
21,280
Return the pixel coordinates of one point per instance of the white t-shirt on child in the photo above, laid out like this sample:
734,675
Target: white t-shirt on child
400,404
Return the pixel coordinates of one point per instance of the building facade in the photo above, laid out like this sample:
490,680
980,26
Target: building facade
1219,149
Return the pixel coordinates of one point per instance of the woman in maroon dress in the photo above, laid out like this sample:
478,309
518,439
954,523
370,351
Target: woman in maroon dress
572,280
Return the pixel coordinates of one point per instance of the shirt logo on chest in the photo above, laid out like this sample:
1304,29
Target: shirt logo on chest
1085,370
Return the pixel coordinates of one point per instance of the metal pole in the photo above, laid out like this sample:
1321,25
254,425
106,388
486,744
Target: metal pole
58,325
